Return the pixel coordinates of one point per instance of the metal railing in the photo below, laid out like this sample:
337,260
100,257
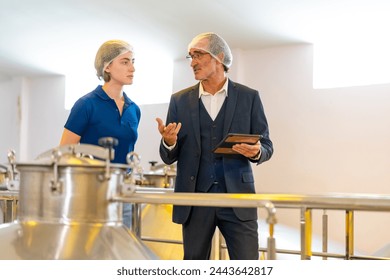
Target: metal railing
306,204
348,203
9,205
166,196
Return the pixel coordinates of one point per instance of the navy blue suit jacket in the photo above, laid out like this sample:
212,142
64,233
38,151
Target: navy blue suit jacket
244,114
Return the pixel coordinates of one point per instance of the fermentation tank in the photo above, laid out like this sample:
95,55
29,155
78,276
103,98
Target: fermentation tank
158,231
65,209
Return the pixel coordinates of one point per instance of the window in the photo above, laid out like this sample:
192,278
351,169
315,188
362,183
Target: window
152,82
355,63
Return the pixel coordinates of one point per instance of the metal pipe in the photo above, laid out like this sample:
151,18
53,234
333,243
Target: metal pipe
216,245
366,202
349,233
161,240
196,199
324,233
271,220
271,250
136,219
10,203
306,233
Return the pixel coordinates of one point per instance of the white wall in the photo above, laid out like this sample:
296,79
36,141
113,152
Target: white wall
9,116
148,136
325,140
46,115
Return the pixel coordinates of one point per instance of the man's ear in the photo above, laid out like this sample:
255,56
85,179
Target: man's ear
221,56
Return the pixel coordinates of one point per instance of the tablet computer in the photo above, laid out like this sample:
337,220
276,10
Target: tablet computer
225,146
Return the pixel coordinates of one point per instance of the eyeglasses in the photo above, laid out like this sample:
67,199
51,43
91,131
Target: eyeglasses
196,55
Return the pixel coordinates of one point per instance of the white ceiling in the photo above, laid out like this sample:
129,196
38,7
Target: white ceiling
53,36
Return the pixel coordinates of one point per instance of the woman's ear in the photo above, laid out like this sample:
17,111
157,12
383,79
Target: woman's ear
107,70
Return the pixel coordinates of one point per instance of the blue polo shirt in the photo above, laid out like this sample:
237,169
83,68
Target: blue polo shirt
95,115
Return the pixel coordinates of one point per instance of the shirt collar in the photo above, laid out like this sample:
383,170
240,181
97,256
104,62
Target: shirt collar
103,95
223,90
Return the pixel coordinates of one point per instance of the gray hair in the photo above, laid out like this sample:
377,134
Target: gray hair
215,46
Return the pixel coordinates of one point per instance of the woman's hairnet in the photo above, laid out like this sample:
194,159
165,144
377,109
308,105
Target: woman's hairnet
215,46
108,52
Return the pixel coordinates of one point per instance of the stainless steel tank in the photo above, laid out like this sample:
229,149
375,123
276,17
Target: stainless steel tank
159,175
3,177
158,231
65,209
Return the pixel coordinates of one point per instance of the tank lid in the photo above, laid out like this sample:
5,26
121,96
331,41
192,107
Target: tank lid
75,155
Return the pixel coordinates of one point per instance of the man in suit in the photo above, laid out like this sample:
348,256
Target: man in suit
198,119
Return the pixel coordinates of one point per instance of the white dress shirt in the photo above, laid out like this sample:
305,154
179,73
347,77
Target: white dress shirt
213,103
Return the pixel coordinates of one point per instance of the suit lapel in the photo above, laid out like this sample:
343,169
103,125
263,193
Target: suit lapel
194,112
231,102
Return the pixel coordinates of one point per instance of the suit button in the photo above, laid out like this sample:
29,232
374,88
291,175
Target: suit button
192,178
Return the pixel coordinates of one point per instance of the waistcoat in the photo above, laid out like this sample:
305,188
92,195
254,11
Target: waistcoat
211,165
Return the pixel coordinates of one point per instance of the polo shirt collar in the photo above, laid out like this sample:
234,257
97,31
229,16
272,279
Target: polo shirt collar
103,95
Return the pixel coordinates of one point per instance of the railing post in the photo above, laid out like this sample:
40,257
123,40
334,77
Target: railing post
349,236
3,211
136,219
324,233
271,220
9,209
271,247
306,233
216,247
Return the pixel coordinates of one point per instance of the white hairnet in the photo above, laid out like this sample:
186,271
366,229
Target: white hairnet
108,52
215,46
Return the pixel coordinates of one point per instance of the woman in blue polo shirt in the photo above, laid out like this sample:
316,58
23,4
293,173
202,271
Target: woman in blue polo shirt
107,111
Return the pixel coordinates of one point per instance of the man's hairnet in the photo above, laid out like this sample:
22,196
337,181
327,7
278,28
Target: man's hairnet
108,52
215,46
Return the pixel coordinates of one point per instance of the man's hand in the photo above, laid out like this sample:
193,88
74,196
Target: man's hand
169,132
247,150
